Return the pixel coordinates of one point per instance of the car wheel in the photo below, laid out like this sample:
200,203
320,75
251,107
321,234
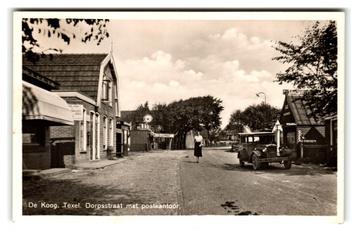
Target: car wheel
287,164
242,163
255,162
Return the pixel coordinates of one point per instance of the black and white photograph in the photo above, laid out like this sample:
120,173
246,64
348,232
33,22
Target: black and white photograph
184,113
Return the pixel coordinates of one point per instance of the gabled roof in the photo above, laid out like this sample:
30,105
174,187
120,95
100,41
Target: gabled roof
301,113
74,72
127,115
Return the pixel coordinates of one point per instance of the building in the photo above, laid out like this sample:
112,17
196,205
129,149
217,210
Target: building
143,135
301,130
89,83
331,126
41,109
123,139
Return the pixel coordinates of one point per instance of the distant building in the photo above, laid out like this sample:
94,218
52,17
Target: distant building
301,130
331,125
41,109
144,136
90,85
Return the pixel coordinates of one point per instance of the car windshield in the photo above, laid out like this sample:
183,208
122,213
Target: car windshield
264,139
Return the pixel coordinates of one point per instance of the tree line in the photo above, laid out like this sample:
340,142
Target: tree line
182,116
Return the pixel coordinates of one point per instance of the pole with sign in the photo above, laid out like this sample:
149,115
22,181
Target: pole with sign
277,129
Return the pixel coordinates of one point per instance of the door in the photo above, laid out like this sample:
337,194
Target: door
119,144
58,151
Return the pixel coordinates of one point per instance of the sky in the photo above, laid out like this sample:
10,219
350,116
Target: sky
161,61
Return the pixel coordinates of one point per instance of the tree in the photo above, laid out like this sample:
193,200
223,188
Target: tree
63,29
195,113
137,116
312,66
235,124
257,117
180,117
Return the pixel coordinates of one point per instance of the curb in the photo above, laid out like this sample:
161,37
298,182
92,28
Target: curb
34,175
115,162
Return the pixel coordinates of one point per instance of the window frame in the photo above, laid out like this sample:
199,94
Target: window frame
105,132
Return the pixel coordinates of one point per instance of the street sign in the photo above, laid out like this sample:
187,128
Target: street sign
277,127
299,136
77,111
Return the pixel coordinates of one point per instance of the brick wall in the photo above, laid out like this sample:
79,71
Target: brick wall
62,132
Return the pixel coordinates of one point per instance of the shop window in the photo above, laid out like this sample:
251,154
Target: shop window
291,139
33,136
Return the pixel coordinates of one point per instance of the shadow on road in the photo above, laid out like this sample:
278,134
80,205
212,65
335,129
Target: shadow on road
193,161
54,191
278,169
232,207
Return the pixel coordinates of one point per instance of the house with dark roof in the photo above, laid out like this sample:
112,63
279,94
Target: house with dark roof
89,83
302,130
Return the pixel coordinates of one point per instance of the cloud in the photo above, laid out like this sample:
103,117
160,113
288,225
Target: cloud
166,60
159,78
229,65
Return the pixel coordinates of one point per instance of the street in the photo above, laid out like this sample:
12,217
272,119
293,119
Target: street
172,183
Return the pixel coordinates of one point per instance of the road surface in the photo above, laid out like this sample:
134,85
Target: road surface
172,183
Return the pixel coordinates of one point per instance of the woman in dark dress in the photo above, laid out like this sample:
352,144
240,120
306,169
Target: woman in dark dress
198,143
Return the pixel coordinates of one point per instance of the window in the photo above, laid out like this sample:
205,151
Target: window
110,93
111,132
104,90
83,132
107,90
105,132
34,136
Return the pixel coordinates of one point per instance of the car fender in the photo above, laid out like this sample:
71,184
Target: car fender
257,153
243,155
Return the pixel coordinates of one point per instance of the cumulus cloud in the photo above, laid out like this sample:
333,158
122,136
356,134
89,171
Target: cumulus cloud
229,65
159,78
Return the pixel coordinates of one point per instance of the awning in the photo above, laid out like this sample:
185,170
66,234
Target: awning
40,104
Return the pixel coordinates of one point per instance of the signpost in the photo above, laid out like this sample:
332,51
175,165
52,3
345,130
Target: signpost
77,111
277,129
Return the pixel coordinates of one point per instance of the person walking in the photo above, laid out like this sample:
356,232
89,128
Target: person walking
198,144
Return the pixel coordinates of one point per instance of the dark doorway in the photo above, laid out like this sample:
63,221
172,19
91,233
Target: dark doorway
119,144
58,151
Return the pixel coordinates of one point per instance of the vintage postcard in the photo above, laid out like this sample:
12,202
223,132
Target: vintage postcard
215,113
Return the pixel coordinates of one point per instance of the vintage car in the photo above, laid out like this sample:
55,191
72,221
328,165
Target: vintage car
260,149
235,147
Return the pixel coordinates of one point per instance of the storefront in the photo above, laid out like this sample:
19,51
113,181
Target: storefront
89,84
123,139
40,110
301,130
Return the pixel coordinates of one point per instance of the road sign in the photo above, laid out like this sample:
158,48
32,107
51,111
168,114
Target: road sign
77,111
277,127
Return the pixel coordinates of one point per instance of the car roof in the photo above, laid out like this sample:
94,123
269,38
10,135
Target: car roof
256,134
